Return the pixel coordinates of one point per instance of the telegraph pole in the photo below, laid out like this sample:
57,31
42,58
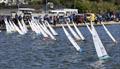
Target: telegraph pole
46,7
18,4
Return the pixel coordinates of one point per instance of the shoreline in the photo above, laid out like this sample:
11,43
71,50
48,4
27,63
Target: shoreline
83,25
79,25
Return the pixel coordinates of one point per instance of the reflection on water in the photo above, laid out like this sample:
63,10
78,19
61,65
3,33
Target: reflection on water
98,64
31,51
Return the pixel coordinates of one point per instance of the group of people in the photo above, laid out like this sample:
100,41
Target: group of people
82,18
57,19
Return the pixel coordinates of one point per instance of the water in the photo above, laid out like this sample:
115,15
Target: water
31,51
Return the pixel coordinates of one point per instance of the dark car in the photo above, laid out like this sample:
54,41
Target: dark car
79,18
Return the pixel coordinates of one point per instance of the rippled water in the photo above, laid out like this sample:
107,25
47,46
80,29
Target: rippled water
31,51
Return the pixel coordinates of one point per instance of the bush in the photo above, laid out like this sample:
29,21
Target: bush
2,5
84,6
35,2
88,6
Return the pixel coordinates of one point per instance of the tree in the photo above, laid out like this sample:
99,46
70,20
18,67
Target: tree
97,0
84,6
35,2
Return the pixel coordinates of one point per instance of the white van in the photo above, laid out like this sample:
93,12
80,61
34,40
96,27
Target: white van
71,11
57,12
63,12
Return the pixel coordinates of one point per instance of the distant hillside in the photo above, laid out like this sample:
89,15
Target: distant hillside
96,6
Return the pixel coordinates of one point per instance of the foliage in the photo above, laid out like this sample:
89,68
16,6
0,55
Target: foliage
96,6
84,6
88,5
35,2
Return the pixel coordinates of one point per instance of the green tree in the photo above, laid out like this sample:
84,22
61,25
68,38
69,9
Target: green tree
83,6
35,2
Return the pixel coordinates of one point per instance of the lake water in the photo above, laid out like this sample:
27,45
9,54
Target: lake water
31,51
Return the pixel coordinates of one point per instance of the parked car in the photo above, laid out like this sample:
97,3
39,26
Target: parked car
90,16
79,18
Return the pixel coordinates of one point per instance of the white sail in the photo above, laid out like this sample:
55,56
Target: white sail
101,52
73,32
47,31
78,31
24,25
8,29
71,39
13,28
17,28
33,29
88,28
107,31
51,29
21,27
36,29
44,34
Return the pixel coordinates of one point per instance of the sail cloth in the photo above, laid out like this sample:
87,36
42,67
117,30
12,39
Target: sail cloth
78,31
47,31
40,28
73,32
13,28
8,28
21,27
34,26
24,25
88,28
101,51
51,29
71,39
109,34
18,29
